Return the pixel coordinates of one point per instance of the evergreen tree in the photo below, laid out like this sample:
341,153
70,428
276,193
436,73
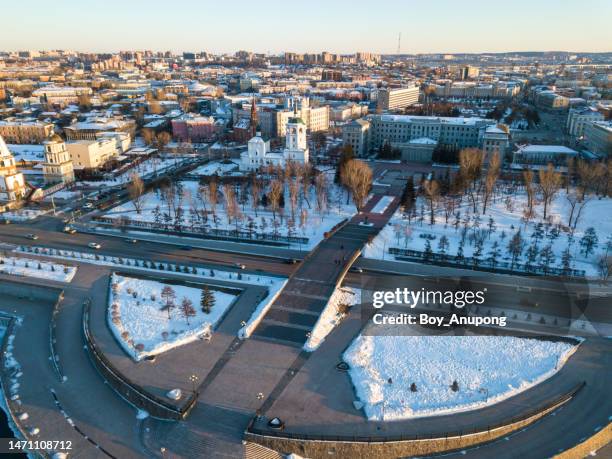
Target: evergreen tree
515,247
531,254
494,254
443,245
566,261
589,241
207,300
547,258
428,252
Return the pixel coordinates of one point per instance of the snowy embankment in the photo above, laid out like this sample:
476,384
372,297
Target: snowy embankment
504,217
273,284
145,169
403,377
23,215
141,321
335,310
28,267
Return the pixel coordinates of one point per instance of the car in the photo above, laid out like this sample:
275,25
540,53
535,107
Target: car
69,230
88,205
131,241
240,266
6,221
31,236
291,261
185,247
356,269
94,245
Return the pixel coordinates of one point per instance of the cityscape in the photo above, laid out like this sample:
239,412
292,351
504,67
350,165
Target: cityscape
306,231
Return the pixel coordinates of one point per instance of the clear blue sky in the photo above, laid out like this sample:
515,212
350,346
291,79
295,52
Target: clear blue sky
342,26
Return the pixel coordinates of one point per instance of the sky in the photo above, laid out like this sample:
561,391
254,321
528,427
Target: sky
338,26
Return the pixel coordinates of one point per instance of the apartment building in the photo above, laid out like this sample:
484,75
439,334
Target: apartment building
390,99
25,132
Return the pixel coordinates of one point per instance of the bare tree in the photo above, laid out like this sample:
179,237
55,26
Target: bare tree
136,189
321,191
529,188
213,196
255,192
357,177
490,180
550,181
294,188
168,295
470,169
274,196
431,190
187,309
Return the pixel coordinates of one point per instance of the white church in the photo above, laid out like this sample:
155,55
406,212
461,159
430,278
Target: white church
12,183
258,153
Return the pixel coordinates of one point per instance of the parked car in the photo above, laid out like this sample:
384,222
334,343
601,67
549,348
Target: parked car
31,236
88,205
94,245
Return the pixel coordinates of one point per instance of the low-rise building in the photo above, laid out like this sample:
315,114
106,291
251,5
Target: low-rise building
541,155
91,154
193,128
25,132
357,135
598,137
578,118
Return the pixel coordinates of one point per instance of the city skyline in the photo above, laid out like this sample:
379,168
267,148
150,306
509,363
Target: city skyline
337,28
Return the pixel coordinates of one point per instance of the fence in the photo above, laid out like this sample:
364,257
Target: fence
127,389
482,265
206,233
52,338
551,404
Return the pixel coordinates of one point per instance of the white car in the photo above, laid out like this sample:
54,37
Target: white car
240,266
94,245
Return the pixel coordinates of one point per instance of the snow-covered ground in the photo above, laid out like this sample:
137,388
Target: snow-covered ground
28,267
145,169
215,167
331,316
382,204
261,221
23,215
507,220
487,369
143,327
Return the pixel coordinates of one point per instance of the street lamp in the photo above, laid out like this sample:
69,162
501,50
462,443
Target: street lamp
193,379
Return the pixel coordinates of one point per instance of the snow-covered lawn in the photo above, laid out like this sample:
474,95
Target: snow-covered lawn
143,327
487,369
333,313
312,225
507,219
28,267
145,169
215,167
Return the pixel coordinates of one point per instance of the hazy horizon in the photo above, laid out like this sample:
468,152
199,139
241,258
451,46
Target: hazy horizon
341,26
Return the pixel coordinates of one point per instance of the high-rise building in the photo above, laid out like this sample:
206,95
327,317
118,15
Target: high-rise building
598,137
357,135
390,99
